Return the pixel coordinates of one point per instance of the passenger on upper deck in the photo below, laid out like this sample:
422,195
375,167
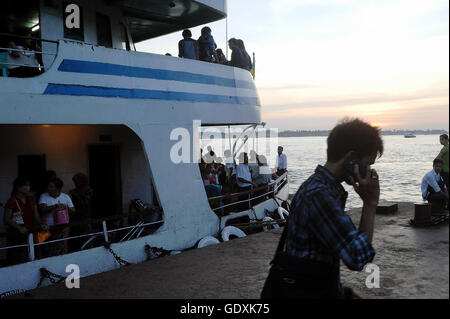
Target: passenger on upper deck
241,46
188,47
207,46
238,58
221,59
24,63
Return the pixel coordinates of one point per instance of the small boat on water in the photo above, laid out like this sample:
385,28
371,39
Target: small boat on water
409,135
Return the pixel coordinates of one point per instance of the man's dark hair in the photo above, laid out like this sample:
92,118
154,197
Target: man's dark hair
437,161
354,135
58,183
187,33
444,136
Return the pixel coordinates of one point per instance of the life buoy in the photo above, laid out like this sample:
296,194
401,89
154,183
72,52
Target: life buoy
273,225
206,241
283,213
231,231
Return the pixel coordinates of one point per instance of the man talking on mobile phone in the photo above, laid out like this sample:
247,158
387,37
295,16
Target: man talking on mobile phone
319,232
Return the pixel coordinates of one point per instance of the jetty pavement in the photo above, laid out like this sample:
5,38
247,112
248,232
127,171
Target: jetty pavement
412,262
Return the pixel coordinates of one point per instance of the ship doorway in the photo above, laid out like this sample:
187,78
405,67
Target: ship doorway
32,167
105,179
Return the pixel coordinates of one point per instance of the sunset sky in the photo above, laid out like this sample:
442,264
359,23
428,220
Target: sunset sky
317,61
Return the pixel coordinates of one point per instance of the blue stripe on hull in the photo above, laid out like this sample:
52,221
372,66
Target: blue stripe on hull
77,66
79,90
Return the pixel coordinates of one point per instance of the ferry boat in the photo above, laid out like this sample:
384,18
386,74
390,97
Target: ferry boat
98,106
409,135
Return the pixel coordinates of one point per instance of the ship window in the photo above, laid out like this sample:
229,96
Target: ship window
104,36
74,33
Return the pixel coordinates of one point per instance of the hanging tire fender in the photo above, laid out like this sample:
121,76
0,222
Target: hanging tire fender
283,213
206,241
231,231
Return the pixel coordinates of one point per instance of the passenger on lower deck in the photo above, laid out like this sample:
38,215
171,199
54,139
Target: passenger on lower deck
21,216
55,208
82,199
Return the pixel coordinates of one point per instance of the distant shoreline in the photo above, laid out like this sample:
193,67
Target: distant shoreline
389,132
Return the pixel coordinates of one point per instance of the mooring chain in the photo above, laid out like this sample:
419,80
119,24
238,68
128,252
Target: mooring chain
121,261
155,252
54,278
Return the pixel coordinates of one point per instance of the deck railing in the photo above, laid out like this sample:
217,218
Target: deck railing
271,189
10,64
105,232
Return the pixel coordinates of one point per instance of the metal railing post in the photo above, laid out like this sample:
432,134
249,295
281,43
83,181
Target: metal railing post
105,231
31,246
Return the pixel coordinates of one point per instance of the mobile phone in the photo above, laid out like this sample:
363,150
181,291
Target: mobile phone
350,163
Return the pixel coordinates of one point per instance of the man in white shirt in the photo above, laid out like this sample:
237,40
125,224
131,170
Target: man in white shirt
243,180
281,162
433,187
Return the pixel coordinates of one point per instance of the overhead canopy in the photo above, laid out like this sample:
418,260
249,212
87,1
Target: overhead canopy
151,18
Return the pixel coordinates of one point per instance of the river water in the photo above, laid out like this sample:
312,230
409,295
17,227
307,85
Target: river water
401,168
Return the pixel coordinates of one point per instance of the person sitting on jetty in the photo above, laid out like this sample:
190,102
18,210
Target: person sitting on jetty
188,47
319,232
443,155
281,162
433,187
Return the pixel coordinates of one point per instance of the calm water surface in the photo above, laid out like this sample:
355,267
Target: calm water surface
401,168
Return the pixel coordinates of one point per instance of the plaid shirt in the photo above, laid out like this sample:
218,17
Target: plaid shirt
320,230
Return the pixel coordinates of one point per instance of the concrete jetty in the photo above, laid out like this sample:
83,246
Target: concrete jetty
412,262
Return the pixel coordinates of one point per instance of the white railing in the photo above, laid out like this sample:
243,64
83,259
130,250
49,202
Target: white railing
135,230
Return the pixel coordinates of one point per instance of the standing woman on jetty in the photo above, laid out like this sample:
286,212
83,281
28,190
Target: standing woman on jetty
443,155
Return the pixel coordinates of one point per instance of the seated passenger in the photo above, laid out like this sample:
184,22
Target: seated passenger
21,215
188,47
55,208
433,187
221,59
265,175
207,46
26,59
